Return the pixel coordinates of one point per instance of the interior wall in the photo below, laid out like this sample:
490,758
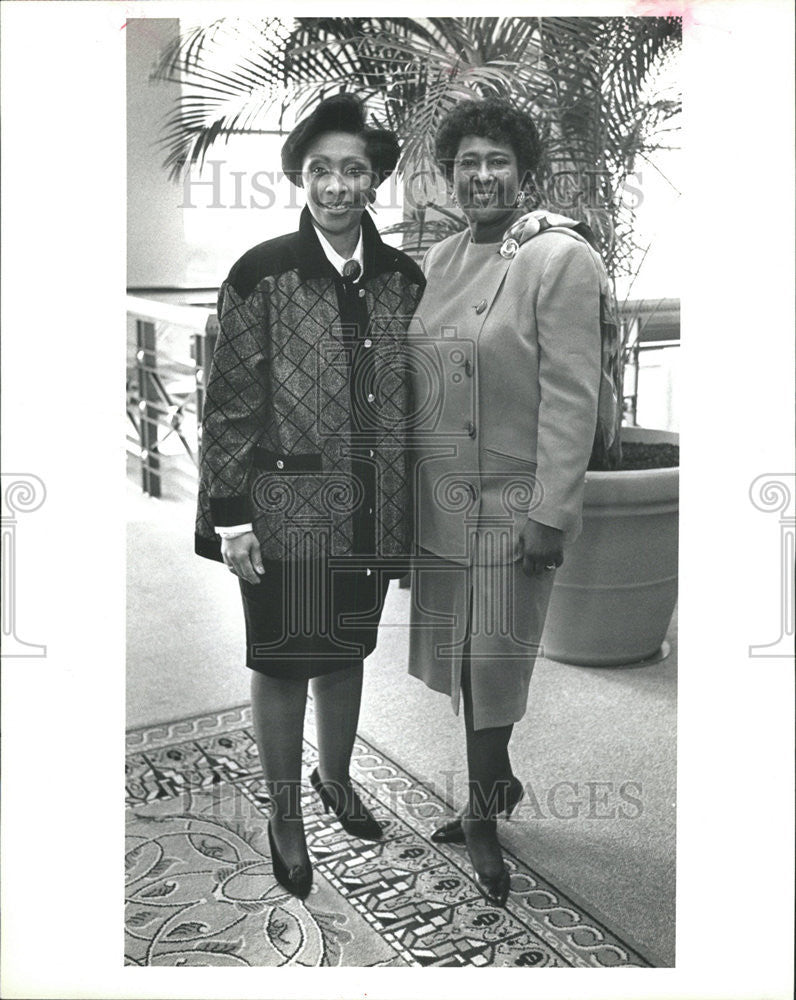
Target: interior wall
156,247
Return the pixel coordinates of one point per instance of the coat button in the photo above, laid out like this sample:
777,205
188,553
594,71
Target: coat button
470,428
362,293
371,397
368,342
280,464
481,306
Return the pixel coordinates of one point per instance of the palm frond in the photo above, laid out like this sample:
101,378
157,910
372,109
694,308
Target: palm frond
582,78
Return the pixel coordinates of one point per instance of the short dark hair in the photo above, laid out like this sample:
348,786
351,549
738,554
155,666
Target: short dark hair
341,113
493,118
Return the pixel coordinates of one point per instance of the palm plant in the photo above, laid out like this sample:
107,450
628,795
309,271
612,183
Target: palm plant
587,81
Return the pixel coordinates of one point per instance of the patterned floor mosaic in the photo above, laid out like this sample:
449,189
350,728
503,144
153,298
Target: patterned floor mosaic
200,890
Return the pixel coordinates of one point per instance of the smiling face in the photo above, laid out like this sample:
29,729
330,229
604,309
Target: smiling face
339,179
486,179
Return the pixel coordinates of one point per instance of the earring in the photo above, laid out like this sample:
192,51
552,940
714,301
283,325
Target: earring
520,199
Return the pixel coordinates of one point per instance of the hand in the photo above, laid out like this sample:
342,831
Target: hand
541,547
243,557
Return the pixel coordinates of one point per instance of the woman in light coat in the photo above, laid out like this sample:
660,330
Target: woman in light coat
507,374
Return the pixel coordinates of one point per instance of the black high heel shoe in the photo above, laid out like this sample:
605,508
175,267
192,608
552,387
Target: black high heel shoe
494,888
297,879
357,821
452,833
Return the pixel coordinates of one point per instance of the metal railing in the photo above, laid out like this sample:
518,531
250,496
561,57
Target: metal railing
633,370
169,352
649,325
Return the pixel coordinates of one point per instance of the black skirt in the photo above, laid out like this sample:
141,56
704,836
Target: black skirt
305,619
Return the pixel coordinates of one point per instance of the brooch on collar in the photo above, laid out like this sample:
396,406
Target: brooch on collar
509,248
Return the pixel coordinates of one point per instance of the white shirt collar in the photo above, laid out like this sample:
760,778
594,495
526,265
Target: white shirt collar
334,257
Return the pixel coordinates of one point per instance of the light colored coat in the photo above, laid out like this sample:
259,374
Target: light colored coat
506,385
513,390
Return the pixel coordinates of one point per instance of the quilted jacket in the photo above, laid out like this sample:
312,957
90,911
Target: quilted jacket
284,443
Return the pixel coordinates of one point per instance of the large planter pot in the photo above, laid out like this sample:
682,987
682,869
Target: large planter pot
614,596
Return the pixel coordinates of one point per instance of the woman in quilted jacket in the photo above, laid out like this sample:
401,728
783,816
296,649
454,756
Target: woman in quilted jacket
304,491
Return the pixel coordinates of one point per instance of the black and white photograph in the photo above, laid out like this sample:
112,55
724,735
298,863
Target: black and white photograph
365,654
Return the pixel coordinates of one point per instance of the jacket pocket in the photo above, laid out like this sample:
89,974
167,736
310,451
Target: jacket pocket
502,459
507,483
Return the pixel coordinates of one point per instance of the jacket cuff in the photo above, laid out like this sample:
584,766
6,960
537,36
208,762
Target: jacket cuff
233,530
209,548
549,518
228,511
